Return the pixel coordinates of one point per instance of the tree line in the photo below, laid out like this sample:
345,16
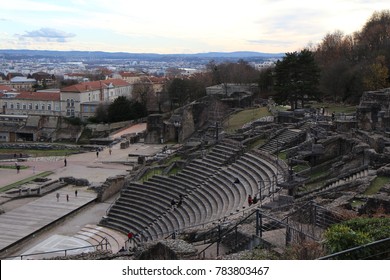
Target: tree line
338,69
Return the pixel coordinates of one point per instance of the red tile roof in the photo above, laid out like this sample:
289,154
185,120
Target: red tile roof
128,74
32,95
95,85
75,75
6,88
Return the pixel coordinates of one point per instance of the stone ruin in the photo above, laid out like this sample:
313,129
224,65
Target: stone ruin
329,162
372,113
183,122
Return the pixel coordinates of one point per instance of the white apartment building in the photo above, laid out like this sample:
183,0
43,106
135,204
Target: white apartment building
81,100
29,102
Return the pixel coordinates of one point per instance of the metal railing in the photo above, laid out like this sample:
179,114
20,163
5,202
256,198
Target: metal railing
377,250
103,245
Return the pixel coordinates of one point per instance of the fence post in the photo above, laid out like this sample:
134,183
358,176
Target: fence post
288,235
259,223
219,239
236,230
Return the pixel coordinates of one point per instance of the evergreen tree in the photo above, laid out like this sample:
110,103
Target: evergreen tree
297,78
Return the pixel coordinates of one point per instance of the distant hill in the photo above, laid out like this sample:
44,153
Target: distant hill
124,55
240,54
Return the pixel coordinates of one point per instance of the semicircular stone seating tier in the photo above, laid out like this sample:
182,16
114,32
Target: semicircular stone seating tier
210,188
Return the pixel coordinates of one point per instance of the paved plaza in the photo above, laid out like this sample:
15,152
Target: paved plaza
25,217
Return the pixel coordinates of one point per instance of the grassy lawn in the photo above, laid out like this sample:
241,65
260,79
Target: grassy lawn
237,120
39,153
24,181
377,184
13,167
150,174
335,107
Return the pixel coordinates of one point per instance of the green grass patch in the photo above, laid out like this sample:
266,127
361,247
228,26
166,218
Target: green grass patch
173,159
282,156
13,167
318,173
377,184
237,120
300,167
24,181
335,107
39,153
174,171
357,203
257,143
282,108
150,174
310,187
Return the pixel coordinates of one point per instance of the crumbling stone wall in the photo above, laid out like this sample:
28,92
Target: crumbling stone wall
373,110
110,187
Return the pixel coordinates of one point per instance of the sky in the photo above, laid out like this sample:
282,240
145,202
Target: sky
178,26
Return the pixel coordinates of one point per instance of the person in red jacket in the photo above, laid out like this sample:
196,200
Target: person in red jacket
250,200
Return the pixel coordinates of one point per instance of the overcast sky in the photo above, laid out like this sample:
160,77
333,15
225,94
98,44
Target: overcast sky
173,26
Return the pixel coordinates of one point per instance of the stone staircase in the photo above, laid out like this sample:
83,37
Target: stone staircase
279,142
99,236
207,189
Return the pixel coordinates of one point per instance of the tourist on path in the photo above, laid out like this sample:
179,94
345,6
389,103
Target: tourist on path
65,162
97,154
58,196
250,200
67,197
75,193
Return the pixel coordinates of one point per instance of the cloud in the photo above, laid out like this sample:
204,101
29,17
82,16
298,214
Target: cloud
48,34
271,42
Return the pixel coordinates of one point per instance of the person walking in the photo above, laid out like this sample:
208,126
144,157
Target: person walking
250,200
75,193
97,154
67,197
110,151
65,162
58,196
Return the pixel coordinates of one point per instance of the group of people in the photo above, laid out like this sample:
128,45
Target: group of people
67,195
177,204
251,200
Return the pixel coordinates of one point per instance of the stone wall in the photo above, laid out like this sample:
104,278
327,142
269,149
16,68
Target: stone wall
110,187
177,127
373,110
155,129
108,126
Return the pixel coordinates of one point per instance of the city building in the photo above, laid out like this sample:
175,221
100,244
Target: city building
22,83
30,103
81,100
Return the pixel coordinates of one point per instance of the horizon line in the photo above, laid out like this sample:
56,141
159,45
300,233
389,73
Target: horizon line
145,53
